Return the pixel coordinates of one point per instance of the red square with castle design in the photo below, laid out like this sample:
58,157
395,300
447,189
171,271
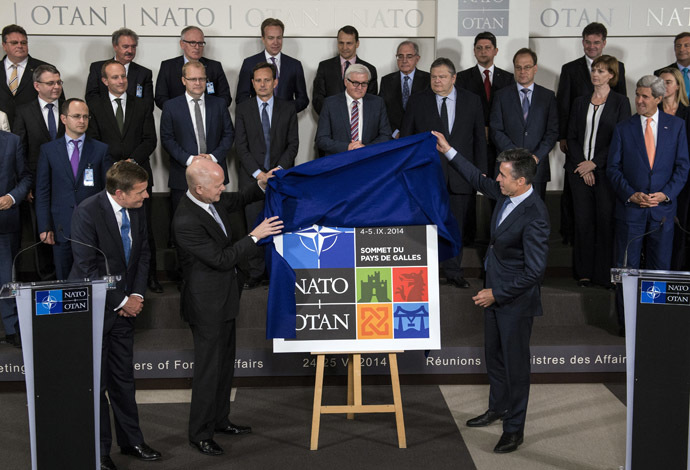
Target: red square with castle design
410,285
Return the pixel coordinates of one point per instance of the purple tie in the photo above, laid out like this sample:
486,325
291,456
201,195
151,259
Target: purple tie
273,59
74,159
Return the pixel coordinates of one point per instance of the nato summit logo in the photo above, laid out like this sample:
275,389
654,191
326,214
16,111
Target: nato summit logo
664,292
411,320
54,302
320,247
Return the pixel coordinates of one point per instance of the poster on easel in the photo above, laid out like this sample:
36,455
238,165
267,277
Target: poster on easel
363,289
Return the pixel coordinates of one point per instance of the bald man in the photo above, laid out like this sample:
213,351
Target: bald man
211,288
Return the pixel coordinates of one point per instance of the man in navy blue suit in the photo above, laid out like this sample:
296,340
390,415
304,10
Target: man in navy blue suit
70,169
291,85
194,125
15,183
648,166
515,264
525,116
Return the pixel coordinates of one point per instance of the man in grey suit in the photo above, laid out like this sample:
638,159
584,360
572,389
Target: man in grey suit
525,116
353,119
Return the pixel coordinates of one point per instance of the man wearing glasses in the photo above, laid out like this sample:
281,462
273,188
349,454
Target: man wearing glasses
169,84
70,169
397,87
353,119
16,72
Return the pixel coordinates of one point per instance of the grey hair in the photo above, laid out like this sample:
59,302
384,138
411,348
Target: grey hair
358,68
655,84
409,43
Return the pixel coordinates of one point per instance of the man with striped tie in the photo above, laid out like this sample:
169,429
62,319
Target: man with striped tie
352,119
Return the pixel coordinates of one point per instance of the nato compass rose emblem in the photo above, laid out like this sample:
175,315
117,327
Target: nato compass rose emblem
319,239
653,292
49,302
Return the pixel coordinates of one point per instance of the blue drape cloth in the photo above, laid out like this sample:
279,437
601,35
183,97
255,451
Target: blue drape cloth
399,182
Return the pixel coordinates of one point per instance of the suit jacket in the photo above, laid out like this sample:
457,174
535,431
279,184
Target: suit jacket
15,180
291,84
467,136
210,292
629,172
329,80
669,66
333,133
25,91
391,92
576,81
509,130
138,138
179,140
57,191
518,248
617,109
471,79
250,143
30,126
169,81
94,223
139,83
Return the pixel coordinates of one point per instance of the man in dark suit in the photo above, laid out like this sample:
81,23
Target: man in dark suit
266,137
457,113
139,78
211,293
525,116
648,166
114,221
575,80
681,48
70,169
331,72
16,73
290,74
194,124
515,265
352,119
397,87
126,124
168,84
15,183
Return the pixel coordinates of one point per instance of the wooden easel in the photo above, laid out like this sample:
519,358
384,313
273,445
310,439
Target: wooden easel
354,395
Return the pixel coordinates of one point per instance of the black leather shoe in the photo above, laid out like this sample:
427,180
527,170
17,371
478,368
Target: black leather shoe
508,442
107,463
459,282
235,429
14,340
207,447
154,285
141,451
484,420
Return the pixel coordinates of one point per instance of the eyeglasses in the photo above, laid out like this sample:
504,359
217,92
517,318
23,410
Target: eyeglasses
15,43
51,84
196,79
526,68
358,84
403,56
79,117
195,43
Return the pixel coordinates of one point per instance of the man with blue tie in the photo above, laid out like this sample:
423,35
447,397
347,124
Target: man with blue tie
289,71
648,166
70,169
681,48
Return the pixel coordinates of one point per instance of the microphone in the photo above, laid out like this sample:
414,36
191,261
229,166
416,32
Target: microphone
105,258
625,257
14,261
675,219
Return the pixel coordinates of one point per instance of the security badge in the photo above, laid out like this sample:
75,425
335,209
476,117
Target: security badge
88,176
140,90
209,88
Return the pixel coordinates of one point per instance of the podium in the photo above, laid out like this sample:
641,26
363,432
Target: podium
657,325
61,326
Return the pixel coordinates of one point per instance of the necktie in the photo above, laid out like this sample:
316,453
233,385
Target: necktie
273,59
124,233
525,103
444,116
200,132
119,114
14,80
487,85
686,79
347,64
215,215
52,128
506,203
74,159
649,142
354,121
406,90
266,126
